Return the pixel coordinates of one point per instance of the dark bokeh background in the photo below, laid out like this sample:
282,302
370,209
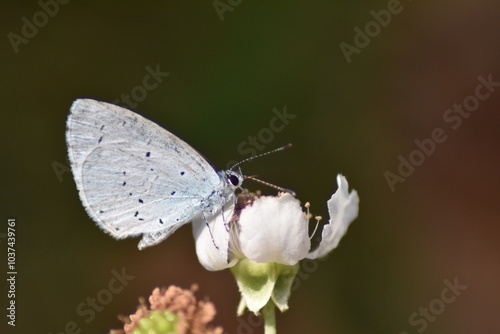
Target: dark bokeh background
226,76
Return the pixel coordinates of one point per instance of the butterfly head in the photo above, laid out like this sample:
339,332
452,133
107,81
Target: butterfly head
233,179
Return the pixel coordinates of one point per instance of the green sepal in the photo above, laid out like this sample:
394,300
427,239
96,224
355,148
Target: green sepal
260,282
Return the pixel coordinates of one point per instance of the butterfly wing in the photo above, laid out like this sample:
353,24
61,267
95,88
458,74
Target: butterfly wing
133,176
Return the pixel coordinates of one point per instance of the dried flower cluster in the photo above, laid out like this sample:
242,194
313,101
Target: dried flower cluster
172,311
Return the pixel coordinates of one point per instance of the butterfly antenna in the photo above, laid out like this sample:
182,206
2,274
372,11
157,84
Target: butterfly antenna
261,155
291,192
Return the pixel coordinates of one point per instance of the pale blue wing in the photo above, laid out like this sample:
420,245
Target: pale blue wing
133,176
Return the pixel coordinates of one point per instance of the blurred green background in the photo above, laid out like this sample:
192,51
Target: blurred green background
228,71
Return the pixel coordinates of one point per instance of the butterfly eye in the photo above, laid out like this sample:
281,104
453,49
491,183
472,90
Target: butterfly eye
235,181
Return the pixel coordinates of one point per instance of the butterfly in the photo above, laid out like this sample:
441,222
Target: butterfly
136,178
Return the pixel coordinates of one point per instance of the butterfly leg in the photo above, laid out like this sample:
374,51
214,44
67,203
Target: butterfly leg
226,223
209,230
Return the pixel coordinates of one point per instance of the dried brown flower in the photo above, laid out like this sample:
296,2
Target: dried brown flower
173,308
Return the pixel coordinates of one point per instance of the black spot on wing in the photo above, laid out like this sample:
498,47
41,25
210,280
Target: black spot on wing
100,140
172,193
102,127
124,183
148,154
182,173
161,221
141,201
136,213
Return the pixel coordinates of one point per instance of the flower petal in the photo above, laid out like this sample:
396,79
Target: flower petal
211,257
343,209
274,229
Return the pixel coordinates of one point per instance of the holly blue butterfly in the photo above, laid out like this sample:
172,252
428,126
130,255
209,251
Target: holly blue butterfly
134,177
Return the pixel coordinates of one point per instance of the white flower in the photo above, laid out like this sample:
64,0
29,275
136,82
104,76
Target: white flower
264,245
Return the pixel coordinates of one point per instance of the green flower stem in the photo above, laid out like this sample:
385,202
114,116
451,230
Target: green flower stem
269,318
